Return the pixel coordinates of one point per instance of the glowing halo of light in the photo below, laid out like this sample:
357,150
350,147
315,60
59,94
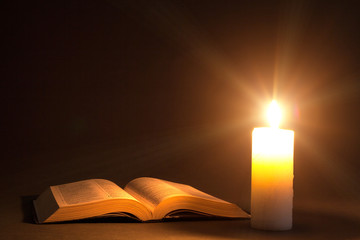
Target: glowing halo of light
274,114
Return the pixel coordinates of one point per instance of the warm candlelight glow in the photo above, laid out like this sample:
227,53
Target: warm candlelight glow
274,114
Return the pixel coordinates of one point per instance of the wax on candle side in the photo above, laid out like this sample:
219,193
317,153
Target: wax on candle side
272,179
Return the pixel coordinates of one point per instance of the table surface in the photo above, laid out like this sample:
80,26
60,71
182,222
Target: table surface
312,220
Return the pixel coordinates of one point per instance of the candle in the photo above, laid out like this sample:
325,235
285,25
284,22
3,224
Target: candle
272,175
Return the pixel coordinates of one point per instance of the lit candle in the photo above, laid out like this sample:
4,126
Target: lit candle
272,175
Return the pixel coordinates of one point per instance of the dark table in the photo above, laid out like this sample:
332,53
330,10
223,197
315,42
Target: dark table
315,219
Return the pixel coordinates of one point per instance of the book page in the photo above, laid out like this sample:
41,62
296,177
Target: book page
194,192
113,190
152,191
166,198
87,191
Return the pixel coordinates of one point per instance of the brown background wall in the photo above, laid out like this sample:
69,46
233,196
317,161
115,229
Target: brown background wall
173,89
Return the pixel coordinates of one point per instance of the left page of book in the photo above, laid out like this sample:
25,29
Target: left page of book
87,198
87,191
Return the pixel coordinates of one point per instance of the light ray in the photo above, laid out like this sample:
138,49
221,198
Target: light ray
182,29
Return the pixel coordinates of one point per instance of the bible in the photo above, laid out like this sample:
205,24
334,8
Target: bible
144,199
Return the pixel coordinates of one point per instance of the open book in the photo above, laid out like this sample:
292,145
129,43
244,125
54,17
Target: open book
143,198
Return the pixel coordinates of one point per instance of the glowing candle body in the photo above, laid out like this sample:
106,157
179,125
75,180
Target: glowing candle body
272,178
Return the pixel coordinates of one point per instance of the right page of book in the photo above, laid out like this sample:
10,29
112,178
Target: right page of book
164,197
152,191
194,192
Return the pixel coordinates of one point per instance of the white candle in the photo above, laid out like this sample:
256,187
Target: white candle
272,175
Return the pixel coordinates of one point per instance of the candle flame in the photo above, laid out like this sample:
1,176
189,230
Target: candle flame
274,114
